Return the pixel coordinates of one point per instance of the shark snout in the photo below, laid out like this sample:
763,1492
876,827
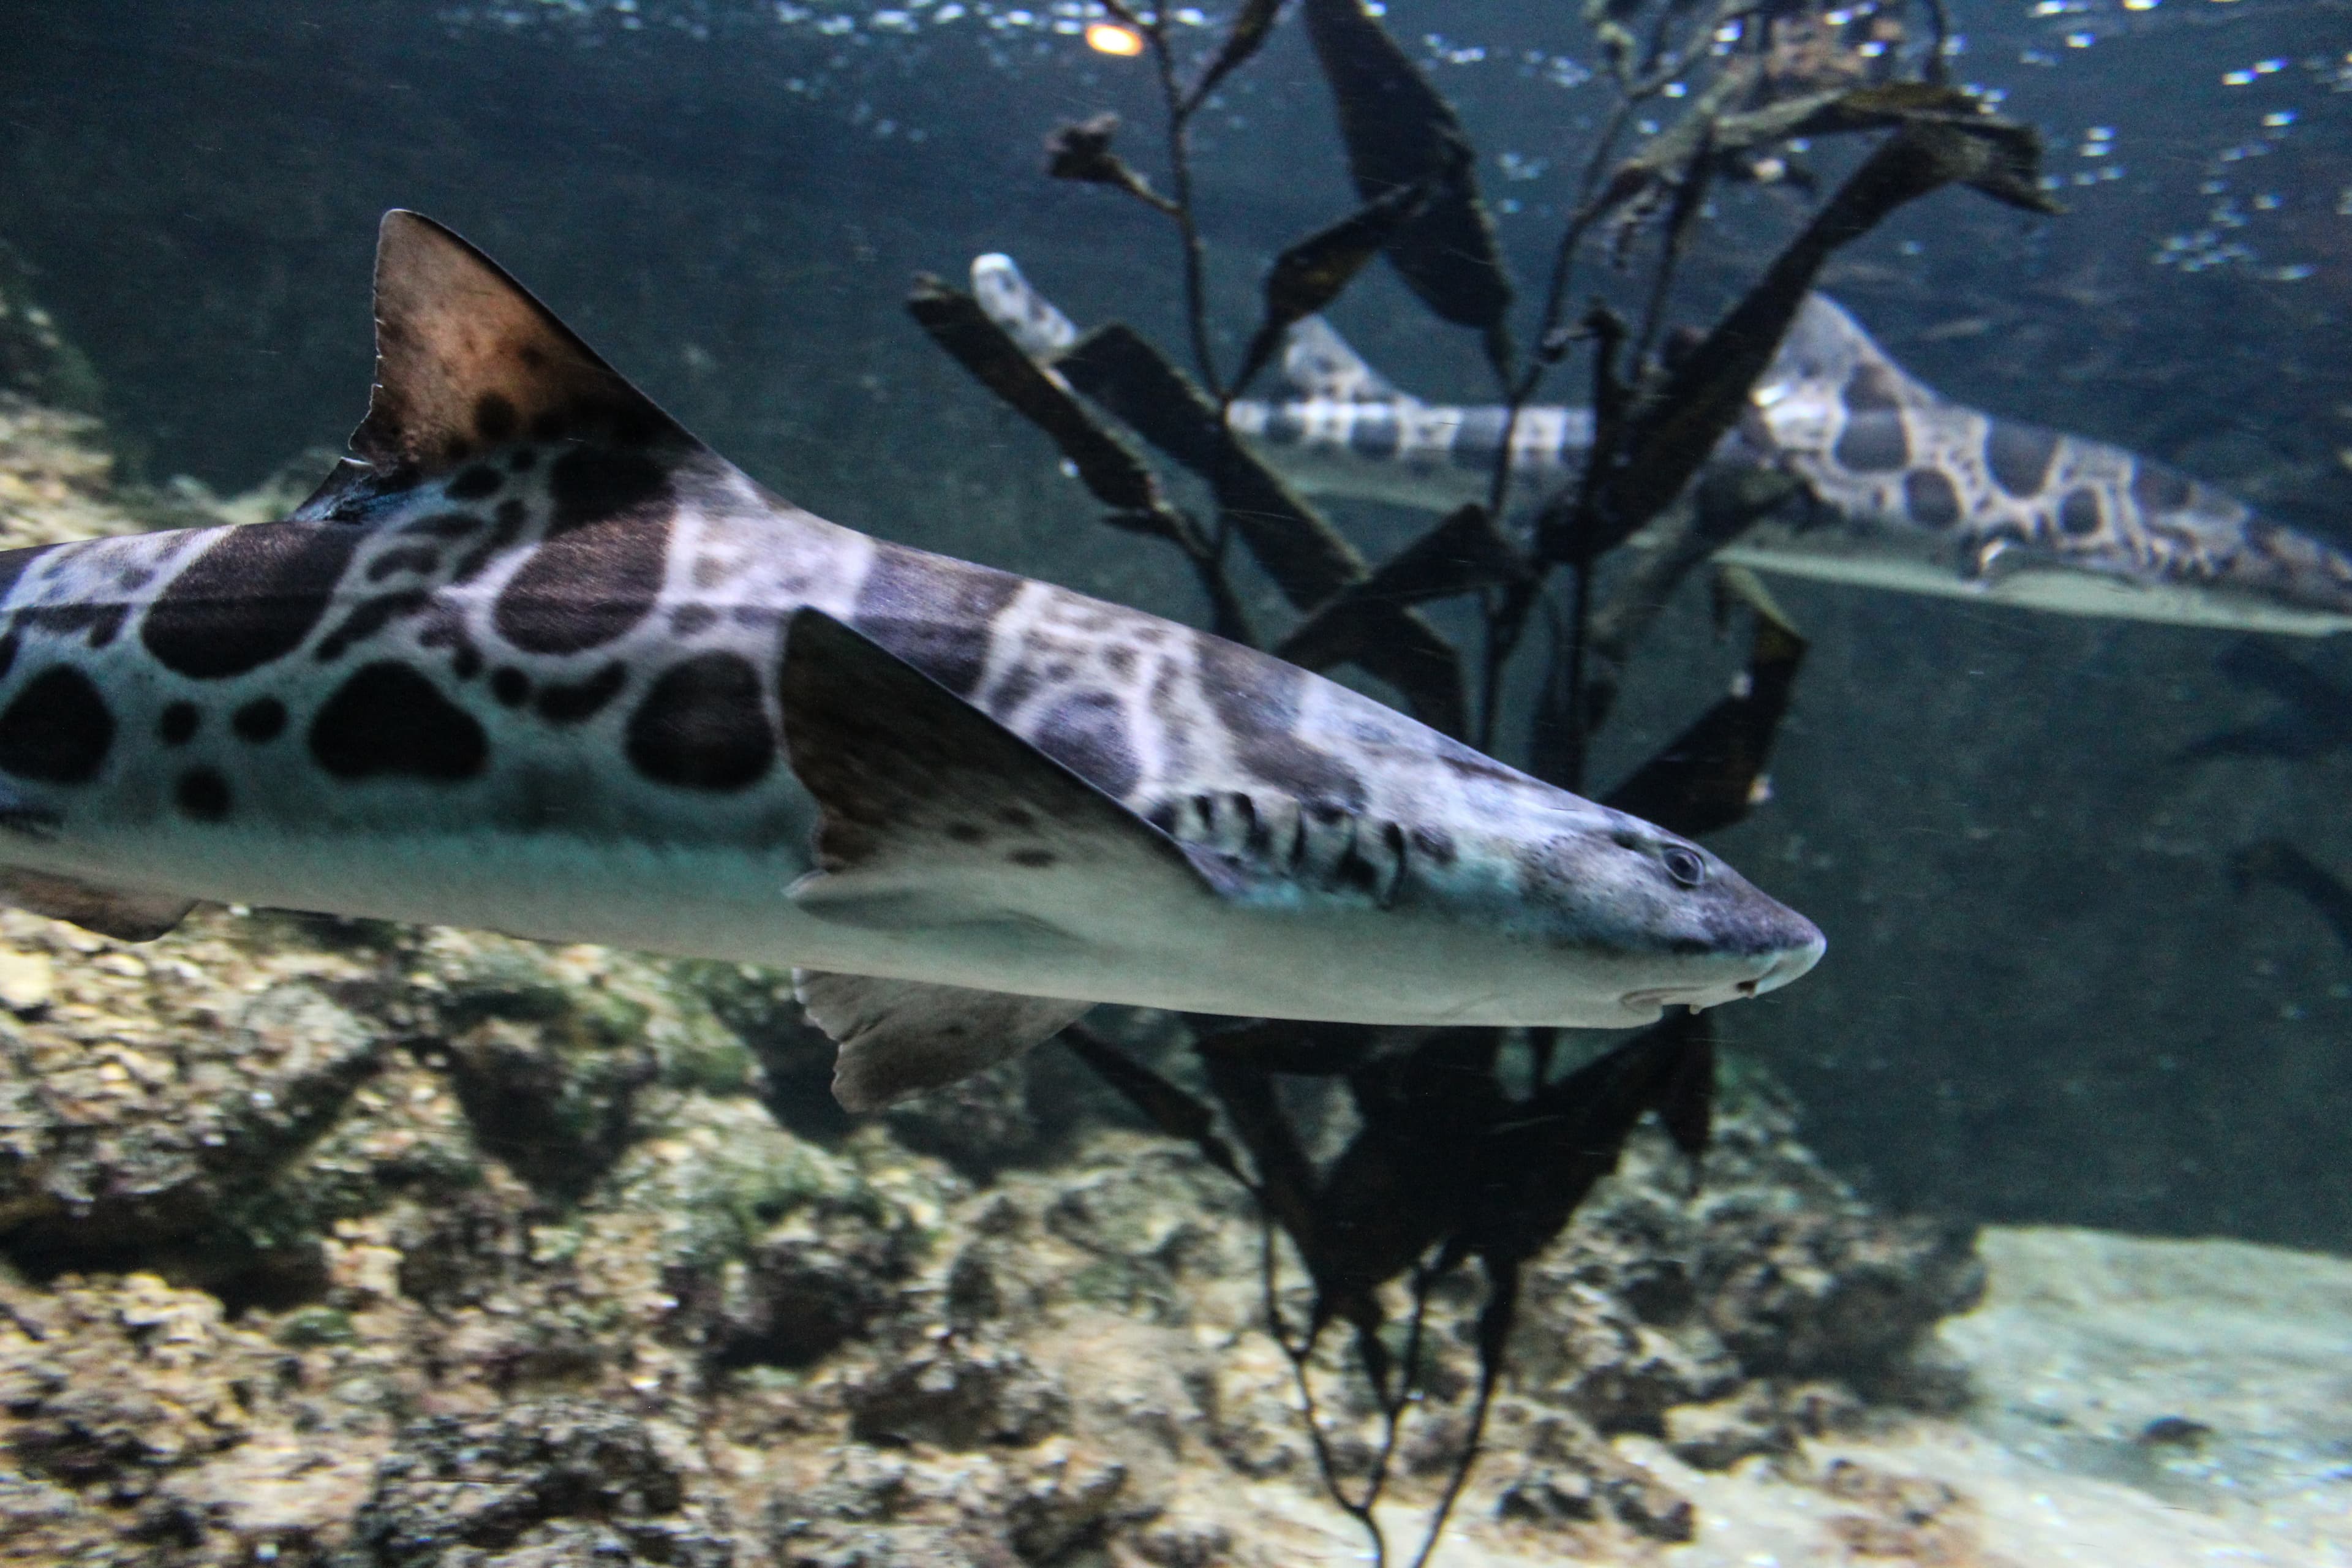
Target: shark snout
1746,943
1778,944
1790,963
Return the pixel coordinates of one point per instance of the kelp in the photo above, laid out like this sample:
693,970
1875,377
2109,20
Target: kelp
1252,25
1640,463
1081,151
1308,559
2281,865
1712,775
1105,465
1449,1168
1720,508
2314,716
1402,133
1463,553
1310,274
1445,1169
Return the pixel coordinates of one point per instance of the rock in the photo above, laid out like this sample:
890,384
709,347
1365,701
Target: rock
1066,1499
1573,1477
1719,1436
26,980
1905,1517
794,1058
958,1394
132,1411
550,1483
144,1109
1775,1270
887,1546
796,1296
978,1125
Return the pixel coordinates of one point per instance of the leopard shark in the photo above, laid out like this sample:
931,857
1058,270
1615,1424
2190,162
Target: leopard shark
534,658
1901,488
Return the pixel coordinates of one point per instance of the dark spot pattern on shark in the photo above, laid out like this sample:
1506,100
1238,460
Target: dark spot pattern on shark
1873,388
1373,432
1477,438
1087,734
1874,443
260,721
368,618
496,419
478,482
933,613
1258,698
202,794
57,728
577,701
2078,514
2018,456
1931,499
386,720
703,725
250,599
2156,487
598,572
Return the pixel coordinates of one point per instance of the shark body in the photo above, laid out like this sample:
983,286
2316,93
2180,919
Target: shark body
1907,489
535,660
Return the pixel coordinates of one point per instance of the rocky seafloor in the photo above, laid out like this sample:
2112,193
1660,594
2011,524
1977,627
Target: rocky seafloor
334,1242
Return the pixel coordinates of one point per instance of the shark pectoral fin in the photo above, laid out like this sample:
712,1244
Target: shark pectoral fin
899,1037
467,360
118,912
936,814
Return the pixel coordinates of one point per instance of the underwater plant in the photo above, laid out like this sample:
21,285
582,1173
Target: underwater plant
1447,1164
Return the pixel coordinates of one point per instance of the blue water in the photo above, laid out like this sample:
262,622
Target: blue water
2043,1000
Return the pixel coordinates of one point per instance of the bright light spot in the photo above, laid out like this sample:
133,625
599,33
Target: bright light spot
2080,40
1110,39
2139,5
2237,79
2279,119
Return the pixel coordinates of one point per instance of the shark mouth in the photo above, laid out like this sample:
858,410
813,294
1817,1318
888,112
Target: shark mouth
1794,963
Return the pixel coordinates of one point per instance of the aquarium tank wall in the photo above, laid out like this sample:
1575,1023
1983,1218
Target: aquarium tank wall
1295,780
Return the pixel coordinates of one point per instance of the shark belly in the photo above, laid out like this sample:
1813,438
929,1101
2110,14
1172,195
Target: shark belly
1894,557
1092,943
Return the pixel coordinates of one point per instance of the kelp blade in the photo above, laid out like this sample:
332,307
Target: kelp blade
1398,132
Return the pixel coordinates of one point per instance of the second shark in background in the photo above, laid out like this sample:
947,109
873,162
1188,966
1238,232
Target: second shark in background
1903,488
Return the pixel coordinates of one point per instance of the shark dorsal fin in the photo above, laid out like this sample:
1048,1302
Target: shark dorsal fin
1317,362
1825,345
467,360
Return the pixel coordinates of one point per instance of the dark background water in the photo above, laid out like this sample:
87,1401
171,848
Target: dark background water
2044,1001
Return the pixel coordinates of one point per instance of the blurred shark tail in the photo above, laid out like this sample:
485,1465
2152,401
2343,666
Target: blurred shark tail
1028,317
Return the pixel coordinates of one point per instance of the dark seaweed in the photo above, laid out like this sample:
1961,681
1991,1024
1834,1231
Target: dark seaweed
1450,1168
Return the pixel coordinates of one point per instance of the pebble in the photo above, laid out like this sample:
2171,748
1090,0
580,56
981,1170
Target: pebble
28,980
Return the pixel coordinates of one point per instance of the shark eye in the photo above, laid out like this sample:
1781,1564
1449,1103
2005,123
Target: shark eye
1684,865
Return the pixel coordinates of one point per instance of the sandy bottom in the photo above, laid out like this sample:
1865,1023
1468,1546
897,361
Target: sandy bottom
2140,1404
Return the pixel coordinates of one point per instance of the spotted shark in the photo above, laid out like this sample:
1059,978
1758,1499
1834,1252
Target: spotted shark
1902,487
534,658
